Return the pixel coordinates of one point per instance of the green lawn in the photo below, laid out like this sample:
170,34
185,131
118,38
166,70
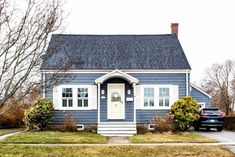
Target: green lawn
7,131
54,137
170,138
113,151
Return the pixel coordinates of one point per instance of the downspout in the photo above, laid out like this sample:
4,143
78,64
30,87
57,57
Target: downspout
187,83
43,85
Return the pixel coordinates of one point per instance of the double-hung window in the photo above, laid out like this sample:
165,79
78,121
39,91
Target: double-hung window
164,96
67,97
82,97
148,97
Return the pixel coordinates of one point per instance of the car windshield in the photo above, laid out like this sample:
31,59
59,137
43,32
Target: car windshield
211,111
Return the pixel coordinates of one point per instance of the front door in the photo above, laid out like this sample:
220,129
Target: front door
116,101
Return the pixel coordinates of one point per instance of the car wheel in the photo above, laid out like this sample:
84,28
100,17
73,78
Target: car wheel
220,128
196,127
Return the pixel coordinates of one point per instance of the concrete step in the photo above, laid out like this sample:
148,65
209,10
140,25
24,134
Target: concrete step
116,128
117,135
118,131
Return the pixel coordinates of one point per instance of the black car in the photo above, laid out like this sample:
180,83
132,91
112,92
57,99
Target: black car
210,118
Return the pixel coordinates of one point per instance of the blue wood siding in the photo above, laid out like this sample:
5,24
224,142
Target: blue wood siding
80,117
142,116
72,79
129,106
145,116
164,79
200,97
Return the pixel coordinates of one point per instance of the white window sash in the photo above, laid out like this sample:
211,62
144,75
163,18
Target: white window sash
74,98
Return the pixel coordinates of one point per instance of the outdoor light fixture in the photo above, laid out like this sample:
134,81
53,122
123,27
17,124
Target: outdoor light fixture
128,91
102,92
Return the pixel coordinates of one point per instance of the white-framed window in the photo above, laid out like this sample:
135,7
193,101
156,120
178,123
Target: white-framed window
75,97
156,96
67,97
149,96
201,105
164,97
82,95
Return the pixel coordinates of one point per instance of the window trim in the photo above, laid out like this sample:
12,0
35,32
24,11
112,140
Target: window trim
142,96
156,96
83,98
74,98
66,98
148,98
164,98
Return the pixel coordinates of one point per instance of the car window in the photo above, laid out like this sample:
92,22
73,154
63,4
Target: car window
211,111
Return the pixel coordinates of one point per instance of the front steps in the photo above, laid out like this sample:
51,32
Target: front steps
116,128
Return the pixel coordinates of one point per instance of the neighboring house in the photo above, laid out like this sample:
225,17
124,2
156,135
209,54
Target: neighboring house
204,99
118,81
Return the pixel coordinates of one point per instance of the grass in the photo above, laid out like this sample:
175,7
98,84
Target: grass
54,137
114,151
7,131
170,138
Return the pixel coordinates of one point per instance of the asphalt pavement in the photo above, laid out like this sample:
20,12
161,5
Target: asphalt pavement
222,137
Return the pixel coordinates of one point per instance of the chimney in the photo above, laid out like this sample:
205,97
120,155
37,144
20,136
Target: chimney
174,28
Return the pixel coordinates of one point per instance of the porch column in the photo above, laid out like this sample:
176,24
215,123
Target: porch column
98,103
134,95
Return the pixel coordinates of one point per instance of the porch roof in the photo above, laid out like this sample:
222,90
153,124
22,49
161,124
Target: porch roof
119,74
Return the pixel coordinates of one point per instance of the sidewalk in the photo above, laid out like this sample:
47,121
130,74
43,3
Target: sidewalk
130,144
9,134
117,141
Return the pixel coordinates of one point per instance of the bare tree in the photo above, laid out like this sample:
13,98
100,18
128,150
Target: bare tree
24,33
218,83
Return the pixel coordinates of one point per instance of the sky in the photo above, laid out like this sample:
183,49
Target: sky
206,27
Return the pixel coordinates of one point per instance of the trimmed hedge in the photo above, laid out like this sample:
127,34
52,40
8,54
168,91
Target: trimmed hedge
229,122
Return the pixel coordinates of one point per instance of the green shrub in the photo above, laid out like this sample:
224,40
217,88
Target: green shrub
40,114
185,110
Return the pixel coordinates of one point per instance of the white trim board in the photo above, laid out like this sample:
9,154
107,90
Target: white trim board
200,90
116,73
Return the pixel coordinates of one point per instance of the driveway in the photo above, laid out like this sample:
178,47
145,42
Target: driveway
222,137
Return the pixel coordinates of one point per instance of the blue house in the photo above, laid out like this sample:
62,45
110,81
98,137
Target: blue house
117,81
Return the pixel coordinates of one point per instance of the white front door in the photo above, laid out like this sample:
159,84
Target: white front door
116,101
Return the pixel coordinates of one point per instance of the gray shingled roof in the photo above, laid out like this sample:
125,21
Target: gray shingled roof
115,52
